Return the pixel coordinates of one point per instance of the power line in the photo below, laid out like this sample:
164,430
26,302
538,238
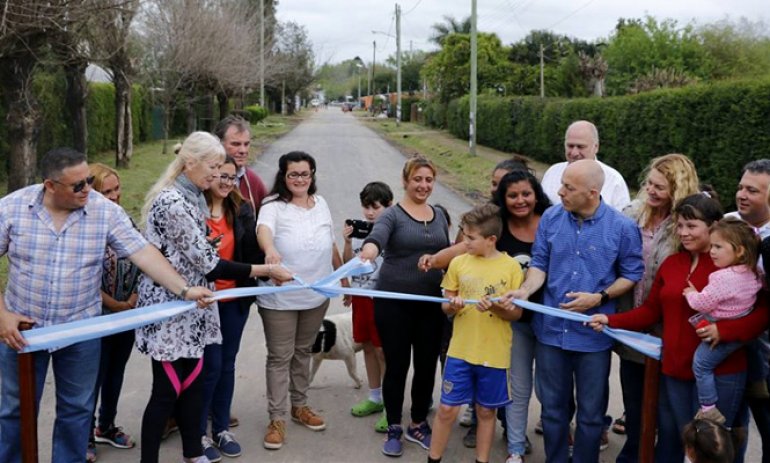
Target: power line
412,8
570,15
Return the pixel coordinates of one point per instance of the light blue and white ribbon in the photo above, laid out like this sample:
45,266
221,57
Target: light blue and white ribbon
65,334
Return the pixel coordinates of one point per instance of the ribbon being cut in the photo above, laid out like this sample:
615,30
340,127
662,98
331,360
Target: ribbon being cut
65,334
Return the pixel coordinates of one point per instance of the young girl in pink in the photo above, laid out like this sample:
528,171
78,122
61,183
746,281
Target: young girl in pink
731,293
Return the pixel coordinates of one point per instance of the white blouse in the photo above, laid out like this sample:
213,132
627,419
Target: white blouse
304,238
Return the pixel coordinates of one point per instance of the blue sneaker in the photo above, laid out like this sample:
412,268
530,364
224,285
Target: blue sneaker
209,451
227,445
393,446
419,435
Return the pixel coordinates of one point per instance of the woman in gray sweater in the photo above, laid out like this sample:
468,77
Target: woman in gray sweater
405,232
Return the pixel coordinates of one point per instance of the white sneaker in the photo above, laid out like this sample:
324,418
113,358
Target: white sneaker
514,459
200,459
466,419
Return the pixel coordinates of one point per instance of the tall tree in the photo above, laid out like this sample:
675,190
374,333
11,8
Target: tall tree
450,26
115,49
448,71
636,47
293,62
27,29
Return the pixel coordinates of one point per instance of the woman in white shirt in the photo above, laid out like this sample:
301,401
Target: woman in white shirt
295,229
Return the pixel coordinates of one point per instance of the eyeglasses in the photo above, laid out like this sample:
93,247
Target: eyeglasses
79,186
296,175
227,179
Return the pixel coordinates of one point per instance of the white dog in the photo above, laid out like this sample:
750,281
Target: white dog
335,342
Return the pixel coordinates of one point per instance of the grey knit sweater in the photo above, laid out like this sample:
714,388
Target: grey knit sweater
404,239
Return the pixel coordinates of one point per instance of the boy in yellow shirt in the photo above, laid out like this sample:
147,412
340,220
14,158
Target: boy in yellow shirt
479,353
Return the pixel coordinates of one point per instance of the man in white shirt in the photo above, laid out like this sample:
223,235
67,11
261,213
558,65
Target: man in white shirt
751,196
581,141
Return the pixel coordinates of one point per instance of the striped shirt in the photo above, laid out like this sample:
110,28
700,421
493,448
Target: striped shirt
54,276
582,256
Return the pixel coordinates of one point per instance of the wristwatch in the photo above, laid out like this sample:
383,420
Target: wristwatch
605,297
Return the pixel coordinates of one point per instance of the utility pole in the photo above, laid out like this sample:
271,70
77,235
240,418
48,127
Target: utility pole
398,64
542,80
474,58
371,68
262,53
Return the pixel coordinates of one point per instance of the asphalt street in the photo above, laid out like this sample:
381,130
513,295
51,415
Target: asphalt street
348,156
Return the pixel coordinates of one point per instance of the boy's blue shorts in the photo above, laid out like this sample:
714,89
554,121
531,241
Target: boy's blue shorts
465,383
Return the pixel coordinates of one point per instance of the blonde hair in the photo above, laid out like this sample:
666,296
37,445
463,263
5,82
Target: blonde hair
197,147
485,219
414,163
681,176
101,172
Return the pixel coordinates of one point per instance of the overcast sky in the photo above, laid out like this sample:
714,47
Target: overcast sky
342,29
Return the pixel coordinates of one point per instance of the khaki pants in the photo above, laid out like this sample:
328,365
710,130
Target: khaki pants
289,335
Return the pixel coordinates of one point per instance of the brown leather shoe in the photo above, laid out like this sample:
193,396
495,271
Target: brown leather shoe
304,415
276,433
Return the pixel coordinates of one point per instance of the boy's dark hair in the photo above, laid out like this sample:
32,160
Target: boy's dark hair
699,207
56,160
485,219
376,192
711,442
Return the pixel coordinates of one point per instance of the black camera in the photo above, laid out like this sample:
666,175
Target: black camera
361,228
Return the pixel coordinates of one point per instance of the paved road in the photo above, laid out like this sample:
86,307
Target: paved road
349,155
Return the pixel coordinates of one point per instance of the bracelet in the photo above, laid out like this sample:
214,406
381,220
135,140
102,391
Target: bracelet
183,293
269,270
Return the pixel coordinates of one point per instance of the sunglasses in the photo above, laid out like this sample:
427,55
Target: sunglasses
79,186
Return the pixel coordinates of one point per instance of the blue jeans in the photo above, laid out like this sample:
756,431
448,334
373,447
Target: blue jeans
75,369
557,371
678,403
116,350
522,356
632,383
219,367
705,360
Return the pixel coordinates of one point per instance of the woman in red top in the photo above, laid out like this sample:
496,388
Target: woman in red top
677,400
232,230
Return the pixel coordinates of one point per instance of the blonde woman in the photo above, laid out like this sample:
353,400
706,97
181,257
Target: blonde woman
119,281
667,180
175,215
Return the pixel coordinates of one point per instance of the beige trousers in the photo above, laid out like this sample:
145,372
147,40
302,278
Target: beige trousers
289,335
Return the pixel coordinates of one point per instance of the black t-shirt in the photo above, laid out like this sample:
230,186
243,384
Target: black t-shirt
522,252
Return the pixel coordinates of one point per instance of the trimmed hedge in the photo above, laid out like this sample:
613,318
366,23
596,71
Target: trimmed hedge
720,126
256,113
100,111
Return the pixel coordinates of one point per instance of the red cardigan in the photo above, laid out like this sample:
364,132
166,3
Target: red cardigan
665,303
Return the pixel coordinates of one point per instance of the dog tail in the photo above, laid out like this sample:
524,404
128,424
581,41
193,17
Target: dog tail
325,339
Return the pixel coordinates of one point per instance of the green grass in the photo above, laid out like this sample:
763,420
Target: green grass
147,164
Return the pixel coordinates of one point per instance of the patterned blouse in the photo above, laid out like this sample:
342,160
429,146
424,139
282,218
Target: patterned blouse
177,228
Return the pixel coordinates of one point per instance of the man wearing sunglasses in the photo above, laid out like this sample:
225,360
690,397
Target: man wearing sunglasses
54,235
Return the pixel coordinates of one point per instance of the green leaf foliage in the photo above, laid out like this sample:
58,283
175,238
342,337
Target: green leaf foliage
256,113
719,126
449,70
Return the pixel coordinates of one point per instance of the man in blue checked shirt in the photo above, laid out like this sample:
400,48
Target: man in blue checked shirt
54,235
587,254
